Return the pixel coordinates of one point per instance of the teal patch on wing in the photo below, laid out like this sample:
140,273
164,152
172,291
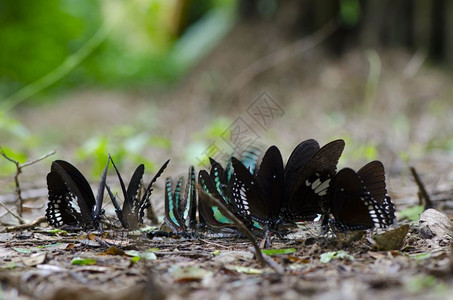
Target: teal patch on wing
219,217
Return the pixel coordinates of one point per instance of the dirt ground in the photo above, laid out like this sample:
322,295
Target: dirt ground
392,101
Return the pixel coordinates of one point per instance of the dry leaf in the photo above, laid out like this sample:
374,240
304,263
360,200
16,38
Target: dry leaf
391,240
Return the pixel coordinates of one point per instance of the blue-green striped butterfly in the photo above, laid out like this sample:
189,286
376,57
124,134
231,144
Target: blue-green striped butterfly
180,203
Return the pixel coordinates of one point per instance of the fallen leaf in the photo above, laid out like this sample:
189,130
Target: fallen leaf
83,261
246,270
22,250
278,251
231,256
188,273
391,240
34,259
376,255
421,256
145,255
114,251
50,246
328,256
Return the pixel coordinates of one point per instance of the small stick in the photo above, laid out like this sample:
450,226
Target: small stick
16,178
239,225
26,226
422,190
19,218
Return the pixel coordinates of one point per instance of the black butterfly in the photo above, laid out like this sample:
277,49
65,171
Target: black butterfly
275,196
180,206
71,200
260,197
359,200
308,173
131,215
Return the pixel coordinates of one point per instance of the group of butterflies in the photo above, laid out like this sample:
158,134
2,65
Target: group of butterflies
259,189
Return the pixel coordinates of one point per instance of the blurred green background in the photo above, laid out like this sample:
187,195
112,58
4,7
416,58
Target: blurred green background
182,69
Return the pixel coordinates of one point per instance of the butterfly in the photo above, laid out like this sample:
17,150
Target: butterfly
133,210
180,203
210,216
279,194
359,200
218,184
307,177
260,196
71,200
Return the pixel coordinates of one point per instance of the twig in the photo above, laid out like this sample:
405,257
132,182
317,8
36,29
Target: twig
28,163
239,225
422,190
19,218
19,167
26,226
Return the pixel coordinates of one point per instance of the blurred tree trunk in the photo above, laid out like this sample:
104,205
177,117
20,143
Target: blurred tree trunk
414,24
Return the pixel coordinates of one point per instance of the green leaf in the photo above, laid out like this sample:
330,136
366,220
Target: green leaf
135,259
83,261
411,213
246,270
22,250
278,251
49,246
216,252
328,256
145,255
421,256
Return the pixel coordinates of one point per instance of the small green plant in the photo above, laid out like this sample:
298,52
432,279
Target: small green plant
122,142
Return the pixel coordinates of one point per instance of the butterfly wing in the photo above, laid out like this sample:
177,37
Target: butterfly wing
145,202
98,211
210,215
269,178
188,204
250,157
373,177
57,212
81,203
222,181
300,156
349,202
247,195
308,196
352,206
131,205
172,199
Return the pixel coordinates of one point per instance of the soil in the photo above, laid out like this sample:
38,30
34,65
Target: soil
403,116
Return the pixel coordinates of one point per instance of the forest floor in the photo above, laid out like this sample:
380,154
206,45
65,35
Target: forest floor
387,104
